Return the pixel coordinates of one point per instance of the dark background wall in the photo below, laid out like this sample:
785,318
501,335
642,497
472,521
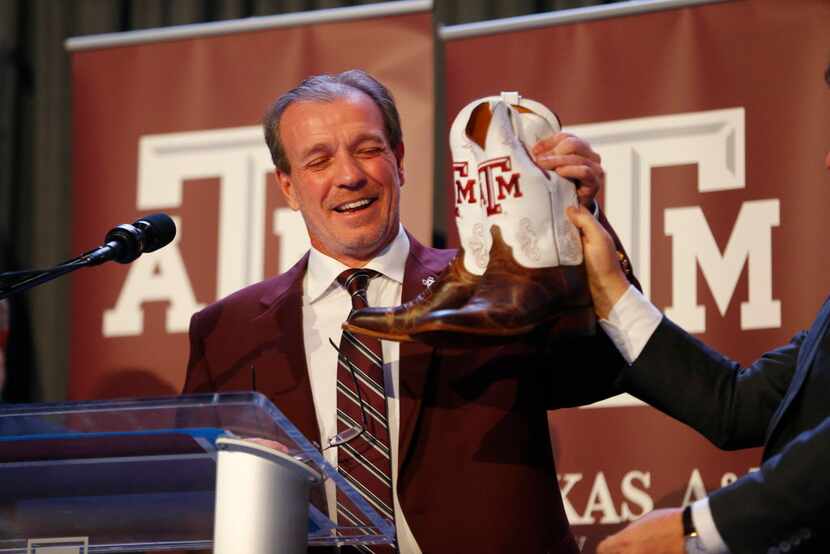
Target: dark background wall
36,149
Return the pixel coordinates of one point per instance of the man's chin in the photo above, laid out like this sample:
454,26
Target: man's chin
364,247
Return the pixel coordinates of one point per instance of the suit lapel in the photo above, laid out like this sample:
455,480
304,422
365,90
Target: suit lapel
422,265
282,371
806,355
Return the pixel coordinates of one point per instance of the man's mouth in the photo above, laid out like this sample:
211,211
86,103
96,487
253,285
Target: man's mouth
355,206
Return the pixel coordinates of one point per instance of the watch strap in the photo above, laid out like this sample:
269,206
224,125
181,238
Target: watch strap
689,529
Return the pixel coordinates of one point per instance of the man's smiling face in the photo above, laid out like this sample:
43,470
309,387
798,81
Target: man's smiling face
345,178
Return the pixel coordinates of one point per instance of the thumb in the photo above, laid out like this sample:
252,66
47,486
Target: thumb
582,220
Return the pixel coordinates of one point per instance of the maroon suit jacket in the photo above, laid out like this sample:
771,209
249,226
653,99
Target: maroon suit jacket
476,468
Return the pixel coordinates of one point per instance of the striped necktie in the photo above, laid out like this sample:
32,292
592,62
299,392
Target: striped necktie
364,460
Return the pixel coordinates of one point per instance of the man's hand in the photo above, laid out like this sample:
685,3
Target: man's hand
658,532
572,158
605,275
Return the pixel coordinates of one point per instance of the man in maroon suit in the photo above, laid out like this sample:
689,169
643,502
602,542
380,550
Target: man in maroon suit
472,468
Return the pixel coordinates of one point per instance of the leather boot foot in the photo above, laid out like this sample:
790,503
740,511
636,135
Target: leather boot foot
512,300
453,287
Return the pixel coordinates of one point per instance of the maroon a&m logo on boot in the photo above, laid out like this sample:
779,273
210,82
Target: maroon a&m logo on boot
465,188
497,181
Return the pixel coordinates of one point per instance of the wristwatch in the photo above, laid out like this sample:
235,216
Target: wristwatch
691,540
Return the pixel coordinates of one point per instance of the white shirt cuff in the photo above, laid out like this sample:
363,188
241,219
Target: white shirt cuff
707,531
631,322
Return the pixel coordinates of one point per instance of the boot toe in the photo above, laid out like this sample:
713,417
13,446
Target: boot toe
379,323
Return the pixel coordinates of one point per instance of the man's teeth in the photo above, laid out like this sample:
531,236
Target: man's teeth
354,205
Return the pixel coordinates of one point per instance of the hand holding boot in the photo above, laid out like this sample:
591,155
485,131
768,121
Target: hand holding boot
572,158
606,278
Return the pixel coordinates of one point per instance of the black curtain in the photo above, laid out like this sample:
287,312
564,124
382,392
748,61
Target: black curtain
36,149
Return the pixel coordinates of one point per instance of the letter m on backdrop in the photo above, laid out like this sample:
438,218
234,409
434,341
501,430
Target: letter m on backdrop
715,142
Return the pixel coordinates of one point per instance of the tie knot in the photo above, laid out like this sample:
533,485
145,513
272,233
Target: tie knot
356,281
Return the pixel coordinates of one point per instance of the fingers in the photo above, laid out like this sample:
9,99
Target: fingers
564,144
572,158
589,179
575,167
605,276
593,234
658,532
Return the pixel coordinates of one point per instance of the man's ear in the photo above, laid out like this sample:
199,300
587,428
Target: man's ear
287,188
399,157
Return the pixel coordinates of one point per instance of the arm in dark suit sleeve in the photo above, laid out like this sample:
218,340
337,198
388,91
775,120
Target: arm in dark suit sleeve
788,498
583,370
732,407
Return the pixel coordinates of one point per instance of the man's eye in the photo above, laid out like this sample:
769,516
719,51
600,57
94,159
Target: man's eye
316,163
370,151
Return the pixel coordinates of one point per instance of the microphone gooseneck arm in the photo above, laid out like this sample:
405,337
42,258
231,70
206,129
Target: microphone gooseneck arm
123,244
18,281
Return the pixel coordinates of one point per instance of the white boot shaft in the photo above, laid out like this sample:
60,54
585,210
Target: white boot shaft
526,202
469,212
547,238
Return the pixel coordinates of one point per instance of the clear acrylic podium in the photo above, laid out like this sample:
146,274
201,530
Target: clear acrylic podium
140,475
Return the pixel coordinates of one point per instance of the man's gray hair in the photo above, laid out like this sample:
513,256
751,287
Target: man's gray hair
328,88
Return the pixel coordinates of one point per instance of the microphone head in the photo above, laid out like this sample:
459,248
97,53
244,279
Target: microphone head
158,230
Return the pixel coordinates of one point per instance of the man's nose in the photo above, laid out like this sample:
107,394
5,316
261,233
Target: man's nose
349,172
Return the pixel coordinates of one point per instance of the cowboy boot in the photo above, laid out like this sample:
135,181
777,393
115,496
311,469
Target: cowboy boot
454,286
535,271
458,282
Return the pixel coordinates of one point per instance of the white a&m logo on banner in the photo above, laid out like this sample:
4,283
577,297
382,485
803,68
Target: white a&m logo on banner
714,141
240,160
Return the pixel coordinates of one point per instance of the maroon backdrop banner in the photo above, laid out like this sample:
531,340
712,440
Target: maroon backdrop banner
173,125
712,124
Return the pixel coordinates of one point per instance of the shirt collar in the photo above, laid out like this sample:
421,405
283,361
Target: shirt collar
323,270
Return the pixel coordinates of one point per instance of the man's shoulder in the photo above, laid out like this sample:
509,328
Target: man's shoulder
257,296
429,257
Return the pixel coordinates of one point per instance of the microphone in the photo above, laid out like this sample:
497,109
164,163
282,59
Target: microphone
126,242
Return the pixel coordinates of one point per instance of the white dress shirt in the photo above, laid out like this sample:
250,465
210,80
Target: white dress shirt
630,324
326,306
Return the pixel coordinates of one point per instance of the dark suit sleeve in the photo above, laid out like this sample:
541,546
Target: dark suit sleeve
583,370
785,502
732,407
